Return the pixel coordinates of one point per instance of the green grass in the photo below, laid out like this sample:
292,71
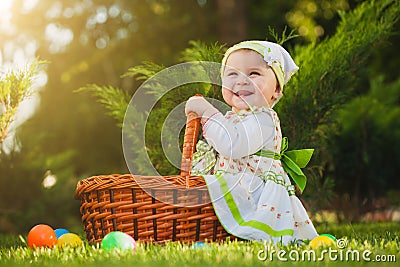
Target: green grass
381,239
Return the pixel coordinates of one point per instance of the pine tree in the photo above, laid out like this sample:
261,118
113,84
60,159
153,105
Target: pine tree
15,87
117,102
329,77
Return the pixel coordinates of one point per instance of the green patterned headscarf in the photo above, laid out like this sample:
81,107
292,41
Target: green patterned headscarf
275,55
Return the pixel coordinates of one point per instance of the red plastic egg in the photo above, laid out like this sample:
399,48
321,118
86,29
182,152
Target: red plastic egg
42,235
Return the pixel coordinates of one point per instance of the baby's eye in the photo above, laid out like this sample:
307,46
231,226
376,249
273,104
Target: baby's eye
254,73
231,74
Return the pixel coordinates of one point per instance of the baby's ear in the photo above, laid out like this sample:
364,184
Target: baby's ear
278,91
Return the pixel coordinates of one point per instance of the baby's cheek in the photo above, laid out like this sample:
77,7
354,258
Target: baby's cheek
226,93
226,87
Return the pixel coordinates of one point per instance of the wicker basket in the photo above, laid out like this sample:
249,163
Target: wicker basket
140,205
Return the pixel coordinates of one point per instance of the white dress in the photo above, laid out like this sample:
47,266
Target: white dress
252,195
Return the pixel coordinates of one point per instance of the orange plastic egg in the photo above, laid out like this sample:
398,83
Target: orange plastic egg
42,235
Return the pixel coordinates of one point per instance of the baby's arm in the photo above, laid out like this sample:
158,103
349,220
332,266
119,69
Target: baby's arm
236,140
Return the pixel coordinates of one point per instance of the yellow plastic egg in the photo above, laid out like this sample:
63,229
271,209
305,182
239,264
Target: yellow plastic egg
322,241
69,239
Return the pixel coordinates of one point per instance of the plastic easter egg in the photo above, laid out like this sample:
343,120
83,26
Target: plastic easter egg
60,231
321,241
118,240
69,239
199,245
42,235
330,236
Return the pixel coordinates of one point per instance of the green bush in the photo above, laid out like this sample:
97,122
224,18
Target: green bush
366,144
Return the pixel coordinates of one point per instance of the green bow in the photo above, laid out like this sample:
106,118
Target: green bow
292,161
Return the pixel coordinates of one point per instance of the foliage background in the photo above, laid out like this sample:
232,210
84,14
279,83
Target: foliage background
95,42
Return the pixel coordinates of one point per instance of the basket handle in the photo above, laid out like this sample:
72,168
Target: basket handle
189,143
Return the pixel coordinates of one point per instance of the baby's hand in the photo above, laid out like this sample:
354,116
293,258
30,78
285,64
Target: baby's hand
200,106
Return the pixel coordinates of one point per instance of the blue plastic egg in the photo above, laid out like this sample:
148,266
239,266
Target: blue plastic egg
60,231
199,245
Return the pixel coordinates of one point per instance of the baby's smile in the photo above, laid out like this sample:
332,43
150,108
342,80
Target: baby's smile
242,93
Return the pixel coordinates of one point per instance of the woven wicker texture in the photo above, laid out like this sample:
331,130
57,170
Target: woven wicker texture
152,208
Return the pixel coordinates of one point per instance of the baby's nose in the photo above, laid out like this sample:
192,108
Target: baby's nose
242,79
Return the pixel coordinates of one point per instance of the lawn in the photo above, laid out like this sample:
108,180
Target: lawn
369,242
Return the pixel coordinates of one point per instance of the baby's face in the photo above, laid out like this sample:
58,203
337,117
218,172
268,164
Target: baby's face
247,80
